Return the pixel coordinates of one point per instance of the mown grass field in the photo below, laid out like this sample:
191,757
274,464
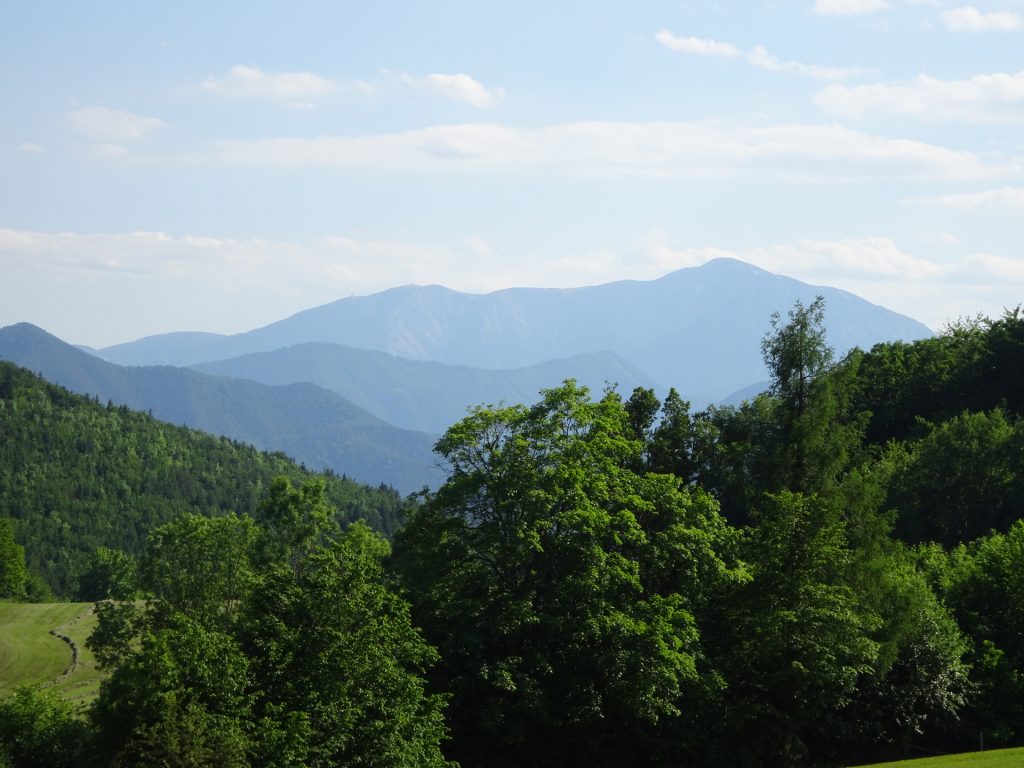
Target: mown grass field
996,758
30,654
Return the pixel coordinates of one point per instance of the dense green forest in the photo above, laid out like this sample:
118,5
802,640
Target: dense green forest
829,574
76,475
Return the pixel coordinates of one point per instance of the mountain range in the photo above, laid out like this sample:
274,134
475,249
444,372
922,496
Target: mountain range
697,329
364,385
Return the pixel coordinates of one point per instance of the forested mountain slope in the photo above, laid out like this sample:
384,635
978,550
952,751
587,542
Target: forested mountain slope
312,425
695,329
76,475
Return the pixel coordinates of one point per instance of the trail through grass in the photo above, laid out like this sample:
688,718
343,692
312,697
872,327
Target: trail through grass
29,653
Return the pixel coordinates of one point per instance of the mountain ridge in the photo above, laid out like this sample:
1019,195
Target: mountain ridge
697,329
418,394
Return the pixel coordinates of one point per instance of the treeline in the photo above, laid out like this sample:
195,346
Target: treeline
76,475
829,574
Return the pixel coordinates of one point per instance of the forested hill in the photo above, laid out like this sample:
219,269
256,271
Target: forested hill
76,475
317,427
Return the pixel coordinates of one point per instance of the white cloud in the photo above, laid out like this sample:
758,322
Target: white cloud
761,58
113,124
460,87
990,98
696,45
1004,198
297,88
876,269
31,148
758,56
998,267
848,7
657,149
166,282
171,282
869,258
970,19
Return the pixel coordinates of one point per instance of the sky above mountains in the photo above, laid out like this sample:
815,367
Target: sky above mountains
218,166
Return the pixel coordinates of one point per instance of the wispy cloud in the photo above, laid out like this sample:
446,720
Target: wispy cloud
1004,198
297,88
31,148
696,45
113,124
761,58
970,19
810,152
989,98
460,87
848,7
758,56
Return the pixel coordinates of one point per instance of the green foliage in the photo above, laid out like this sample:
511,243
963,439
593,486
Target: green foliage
38,729
681,444
560,586
800,638
109,574
333,646
272,646
960,480
13,575
76,476
810,446
984,585
919,684
200,567
178,698
974,365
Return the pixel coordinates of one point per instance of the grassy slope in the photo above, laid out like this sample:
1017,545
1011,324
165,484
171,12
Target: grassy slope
30,654
997,758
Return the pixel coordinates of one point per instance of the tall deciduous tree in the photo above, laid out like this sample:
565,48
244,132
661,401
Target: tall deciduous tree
560,585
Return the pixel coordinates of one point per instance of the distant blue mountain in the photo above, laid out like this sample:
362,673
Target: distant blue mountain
311,424
697,329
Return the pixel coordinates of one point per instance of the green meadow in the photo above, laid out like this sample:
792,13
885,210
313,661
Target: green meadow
29,653
997,758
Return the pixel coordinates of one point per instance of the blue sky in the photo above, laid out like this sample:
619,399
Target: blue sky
201,166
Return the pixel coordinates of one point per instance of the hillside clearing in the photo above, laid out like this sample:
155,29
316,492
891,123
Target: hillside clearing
31,653
996,758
